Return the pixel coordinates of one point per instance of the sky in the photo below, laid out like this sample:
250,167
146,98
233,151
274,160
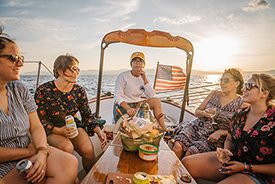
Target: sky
224,33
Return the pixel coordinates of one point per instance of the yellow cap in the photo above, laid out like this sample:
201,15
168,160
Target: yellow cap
138,55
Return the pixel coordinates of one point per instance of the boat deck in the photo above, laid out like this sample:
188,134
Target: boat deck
116,160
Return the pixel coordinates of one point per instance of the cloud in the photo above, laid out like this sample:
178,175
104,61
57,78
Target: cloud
110,9
127,26
18,3
230,17
179,20
255,5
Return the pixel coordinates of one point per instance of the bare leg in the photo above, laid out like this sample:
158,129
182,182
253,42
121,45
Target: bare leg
237,178
61,169
61,142
155,105
84,147
197,163
187,153
178,149
13,177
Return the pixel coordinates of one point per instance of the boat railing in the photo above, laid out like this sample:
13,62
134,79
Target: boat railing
195,97
196,94
40,63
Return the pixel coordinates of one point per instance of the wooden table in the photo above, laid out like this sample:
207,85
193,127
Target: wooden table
115,159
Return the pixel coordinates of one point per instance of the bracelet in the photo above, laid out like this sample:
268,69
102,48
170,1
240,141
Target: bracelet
251,168
43,148
246,167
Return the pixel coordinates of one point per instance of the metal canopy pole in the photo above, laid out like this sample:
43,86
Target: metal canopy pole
103,46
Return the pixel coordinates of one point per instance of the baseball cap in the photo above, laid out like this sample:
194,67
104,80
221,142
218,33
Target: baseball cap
138,55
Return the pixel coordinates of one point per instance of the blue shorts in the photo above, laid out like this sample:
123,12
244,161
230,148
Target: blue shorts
123,111
256,179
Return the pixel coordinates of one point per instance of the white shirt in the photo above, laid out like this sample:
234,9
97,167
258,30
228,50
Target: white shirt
129,88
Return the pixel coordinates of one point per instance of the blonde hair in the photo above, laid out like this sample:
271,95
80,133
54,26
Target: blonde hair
266,82
237,75
62,63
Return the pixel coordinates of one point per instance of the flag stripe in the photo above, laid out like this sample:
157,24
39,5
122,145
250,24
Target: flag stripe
169,78
169,82
174,80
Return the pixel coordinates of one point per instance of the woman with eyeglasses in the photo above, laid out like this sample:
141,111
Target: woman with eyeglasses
251,140
62,97
209,129
21,134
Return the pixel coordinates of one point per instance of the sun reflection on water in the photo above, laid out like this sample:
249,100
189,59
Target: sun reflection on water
212,79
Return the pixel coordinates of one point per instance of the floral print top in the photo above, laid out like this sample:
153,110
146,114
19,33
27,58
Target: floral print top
255,146
54,105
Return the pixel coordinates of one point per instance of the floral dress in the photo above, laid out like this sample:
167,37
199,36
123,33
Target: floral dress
255,146
54,105
194,135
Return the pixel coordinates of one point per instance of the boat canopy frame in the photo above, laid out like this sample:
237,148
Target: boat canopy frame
141,37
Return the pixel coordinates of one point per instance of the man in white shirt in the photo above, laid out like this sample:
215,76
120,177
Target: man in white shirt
131,85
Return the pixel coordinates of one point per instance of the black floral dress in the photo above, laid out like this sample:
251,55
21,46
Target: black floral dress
54,106
255,146
193,135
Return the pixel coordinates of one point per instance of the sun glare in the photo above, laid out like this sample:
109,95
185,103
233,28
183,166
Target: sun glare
216,53
212,79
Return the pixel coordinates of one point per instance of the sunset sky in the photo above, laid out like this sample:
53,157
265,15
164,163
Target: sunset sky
224,33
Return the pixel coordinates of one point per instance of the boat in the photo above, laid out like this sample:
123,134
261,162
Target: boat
158,39
102,104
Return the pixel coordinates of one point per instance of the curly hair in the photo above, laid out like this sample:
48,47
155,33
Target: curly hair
237,75
62,63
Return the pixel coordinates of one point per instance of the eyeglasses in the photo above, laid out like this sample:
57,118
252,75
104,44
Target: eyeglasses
74,69
137,60
14,58
225,80
249,86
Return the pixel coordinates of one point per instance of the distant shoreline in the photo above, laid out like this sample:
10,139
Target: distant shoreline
149,72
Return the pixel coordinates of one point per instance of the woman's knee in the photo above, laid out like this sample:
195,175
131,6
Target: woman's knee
87,152
69,169
177,146
62,161
155,101
67,147
60,142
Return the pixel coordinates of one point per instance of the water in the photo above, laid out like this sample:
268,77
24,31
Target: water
89,82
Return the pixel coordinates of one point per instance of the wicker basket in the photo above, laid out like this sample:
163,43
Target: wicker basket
130,144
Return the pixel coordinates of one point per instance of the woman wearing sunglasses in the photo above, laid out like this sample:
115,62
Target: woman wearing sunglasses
209,130
21,134
251,140
62,97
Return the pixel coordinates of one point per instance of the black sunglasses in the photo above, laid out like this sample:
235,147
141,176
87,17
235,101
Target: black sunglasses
14,58
249,86
225,80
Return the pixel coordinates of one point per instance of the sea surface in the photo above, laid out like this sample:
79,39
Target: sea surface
90,82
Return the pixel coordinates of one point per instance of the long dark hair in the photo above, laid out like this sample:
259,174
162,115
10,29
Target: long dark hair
4,39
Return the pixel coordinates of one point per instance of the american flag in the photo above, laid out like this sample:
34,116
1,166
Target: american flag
169,78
